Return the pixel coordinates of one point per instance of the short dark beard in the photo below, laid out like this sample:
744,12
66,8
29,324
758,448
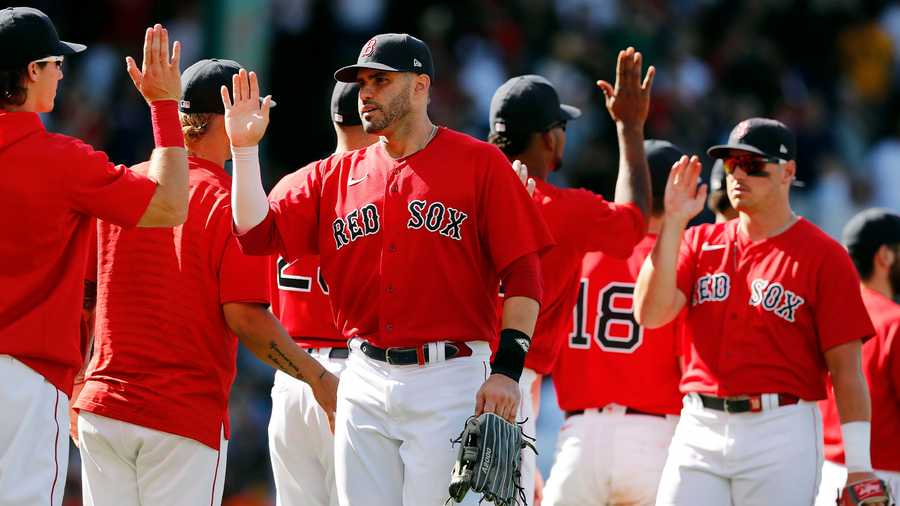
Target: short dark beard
398,107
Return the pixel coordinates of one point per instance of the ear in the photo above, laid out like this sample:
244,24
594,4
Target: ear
33,71
548,139
422,84
885,256
790,171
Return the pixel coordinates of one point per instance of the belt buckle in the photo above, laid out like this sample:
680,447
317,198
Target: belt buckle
387,354
725,403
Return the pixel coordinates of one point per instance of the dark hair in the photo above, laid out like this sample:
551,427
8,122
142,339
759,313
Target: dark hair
12,87
864,261
510,144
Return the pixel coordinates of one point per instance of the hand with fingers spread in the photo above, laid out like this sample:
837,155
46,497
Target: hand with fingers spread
246,119
521,170
628,102
683,198
159,77
500,395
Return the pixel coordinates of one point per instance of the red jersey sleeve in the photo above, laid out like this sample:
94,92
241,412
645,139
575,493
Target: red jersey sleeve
110,192
510,225
614,229
242,278
840,316
687,263
291,227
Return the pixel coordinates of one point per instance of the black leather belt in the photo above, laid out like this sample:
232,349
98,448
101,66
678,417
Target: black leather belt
334,352
752,404
414,354
628,411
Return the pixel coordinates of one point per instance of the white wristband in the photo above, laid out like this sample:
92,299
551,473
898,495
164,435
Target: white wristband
857,438
249,205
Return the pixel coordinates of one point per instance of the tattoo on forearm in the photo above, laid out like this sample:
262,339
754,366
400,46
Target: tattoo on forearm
283,362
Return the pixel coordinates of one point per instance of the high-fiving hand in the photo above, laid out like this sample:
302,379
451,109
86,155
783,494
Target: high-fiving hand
683,198
159,77
628,102
246,119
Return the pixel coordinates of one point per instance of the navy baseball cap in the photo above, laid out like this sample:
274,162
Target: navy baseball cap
661,156
26,35
393,52
528,104
344,110
201,82
759,136
869,230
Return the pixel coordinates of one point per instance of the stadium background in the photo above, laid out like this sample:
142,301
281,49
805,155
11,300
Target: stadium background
827,68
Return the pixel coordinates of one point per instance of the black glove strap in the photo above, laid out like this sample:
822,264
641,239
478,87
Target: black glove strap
510,357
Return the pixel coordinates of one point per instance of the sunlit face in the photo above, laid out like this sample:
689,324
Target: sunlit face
43,78
384,98
753,183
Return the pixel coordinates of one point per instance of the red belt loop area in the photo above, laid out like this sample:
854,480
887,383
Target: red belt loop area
420,355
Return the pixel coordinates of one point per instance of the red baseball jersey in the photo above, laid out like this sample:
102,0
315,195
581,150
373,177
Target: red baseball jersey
761,314
881,365
300,301
164,357
411,248
580,221
52,186
608,357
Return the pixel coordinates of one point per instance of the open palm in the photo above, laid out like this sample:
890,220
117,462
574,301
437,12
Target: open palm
683,198
246,119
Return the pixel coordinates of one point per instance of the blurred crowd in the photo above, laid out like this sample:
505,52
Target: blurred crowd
826,68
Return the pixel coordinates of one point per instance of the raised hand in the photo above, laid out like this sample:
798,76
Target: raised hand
245,119
521,170
683,198
628,102
159,77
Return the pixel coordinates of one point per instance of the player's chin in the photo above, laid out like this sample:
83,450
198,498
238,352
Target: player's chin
372,127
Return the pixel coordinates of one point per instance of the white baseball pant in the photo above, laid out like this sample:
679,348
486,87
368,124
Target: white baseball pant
606,457
395,424
529,428
301,444
123,464
834,477
34,437
744,459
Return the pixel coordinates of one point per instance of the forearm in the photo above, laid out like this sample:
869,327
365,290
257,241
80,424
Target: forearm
520,313
656,296
633,182
249,205
851,395
264,336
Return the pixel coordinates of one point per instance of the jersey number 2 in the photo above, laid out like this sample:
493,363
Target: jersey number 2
295,283
615,329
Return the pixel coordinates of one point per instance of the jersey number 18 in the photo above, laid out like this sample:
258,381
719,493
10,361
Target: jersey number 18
615,329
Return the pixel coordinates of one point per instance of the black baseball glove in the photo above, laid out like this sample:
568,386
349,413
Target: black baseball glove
489,460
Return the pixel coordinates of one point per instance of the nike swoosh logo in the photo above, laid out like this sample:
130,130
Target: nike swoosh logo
351,181
711,247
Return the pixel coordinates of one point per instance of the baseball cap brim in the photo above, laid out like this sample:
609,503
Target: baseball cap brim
569,112
70,48
723,150
348,74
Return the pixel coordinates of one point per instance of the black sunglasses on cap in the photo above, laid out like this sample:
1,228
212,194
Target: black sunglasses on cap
556,124
751,165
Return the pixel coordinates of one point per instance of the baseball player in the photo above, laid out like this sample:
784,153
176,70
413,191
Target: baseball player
616,381
872,238
774,305
416,231
718,201
153,414
528,124
301,444
52,187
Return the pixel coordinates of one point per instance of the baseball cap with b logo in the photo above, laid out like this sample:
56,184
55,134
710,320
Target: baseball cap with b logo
759,136
26,35
392,52
200,85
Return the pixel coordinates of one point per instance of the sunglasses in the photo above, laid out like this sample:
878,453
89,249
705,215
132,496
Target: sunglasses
556,124
752,166
58,60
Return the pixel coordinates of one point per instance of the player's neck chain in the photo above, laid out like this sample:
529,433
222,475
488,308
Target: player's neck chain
434,129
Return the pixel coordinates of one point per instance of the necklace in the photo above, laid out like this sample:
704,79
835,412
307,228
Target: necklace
434,129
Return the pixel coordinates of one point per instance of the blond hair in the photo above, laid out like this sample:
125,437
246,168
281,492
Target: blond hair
194,126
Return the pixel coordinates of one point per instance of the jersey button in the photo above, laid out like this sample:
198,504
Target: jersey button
389,327
389,289
392,248
394,188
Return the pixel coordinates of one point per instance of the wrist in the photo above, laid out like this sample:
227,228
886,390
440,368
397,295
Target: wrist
244,151
857,437
630,127
510,357
166,124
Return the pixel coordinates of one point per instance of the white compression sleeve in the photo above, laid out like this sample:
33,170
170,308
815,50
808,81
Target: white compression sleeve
857,437
249,205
